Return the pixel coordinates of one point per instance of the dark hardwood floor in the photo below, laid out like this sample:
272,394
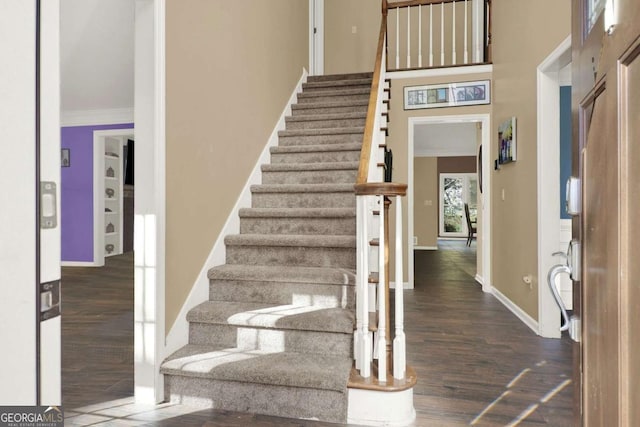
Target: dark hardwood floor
477,364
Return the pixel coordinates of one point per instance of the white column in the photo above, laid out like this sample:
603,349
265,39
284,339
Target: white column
466,32
453,34
408,37
442,34
397,38
431,35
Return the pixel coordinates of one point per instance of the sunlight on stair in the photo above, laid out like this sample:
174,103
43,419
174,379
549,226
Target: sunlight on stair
205,362
267,317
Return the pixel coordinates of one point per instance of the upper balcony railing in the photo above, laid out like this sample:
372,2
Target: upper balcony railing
438,33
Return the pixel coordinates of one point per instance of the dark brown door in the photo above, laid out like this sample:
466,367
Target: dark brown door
606,107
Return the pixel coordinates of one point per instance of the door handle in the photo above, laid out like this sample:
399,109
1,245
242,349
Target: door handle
554,272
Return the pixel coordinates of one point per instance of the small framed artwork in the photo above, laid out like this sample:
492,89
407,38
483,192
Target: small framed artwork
507,151
65,158
447,95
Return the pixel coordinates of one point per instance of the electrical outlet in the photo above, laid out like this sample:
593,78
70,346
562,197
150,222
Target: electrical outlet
354,29
415,240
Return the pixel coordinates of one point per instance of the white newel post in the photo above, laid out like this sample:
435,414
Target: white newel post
399,342
381,344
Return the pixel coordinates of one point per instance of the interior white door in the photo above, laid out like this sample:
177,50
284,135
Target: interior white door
29,222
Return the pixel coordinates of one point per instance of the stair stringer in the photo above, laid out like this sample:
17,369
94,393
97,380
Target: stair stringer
178,335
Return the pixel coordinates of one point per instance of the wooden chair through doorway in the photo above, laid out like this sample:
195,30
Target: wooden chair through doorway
471,225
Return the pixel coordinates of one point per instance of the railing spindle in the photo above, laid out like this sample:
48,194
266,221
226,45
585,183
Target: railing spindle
442,34
420,36
466,29
408,37
431,35
453,34
397,38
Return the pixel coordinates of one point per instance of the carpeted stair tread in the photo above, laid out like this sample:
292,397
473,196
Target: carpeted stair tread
320,117
302,188
339,77
325,372
274,316
322,131
291,240
364,91
336,83
360,104
315,148
315,275
297,213
323,166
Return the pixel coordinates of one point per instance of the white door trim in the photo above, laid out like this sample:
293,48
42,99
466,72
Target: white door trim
316,40
548,169
484,199
149,210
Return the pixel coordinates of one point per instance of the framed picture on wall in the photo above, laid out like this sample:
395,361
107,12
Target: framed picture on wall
447,95
507,143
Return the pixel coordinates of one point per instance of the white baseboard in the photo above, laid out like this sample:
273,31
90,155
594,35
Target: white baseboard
179,334
520,313
80,264
425,248
479,279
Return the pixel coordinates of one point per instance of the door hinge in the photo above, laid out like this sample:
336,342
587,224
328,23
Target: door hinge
315,30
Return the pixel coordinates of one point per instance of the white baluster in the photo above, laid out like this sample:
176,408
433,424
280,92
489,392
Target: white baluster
408,37
399,342
420,36
397,38
453,34
466,51
431,35
382,308
442,34
363,283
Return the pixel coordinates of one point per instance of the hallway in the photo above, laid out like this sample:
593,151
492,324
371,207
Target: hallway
476,362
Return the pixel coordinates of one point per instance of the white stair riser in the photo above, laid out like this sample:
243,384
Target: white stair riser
325,124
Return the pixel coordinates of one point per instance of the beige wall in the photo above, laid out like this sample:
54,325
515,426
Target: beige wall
524,33
425,205
344,51
399,132
231,66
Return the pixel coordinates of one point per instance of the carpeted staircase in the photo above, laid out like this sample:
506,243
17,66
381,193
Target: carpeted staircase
276,336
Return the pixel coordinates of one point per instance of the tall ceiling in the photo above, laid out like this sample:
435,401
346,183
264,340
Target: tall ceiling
96,54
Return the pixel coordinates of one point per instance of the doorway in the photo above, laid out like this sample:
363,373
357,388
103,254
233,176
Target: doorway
481,124
553,231
456,191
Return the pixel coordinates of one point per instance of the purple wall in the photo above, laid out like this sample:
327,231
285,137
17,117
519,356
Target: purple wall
77,192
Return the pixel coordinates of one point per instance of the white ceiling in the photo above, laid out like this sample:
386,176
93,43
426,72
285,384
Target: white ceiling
96,54
444,139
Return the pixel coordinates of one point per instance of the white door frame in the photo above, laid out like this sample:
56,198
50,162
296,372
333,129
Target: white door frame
149,210
316,39
548,170
484,199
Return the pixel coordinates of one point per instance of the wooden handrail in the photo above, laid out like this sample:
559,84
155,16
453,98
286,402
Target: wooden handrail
388,189
367,139
411,3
